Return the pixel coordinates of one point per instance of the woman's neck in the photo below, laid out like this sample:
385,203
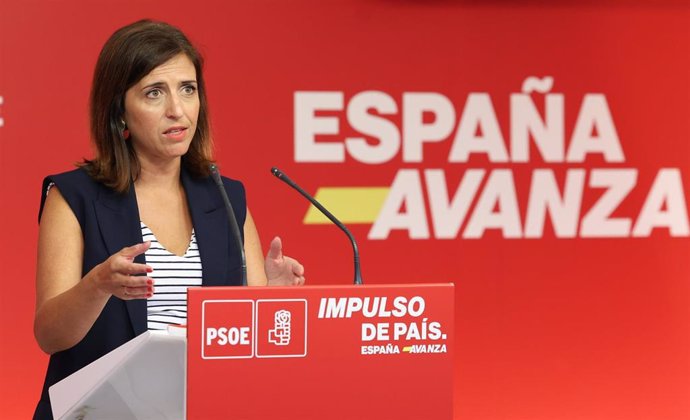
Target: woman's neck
159,176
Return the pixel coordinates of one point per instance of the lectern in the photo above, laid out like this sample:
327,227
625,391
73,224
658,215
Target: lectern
255,353
321,352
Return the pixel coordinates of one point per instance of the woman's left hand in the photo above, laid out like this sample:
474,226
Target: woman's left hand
282,270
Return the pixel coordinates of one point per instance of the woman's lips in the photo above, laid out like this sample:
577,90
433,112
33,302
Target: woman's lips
175,132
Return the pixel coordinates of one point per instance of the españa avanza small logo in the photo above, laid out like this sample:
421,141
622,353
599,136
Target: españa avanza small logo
280,334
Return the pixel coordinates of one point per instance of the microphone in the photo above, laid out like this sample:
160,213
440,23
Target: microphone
281,176
231,219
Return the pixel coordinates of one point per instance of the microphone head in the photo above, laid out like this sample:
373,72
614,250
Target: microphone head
215,174
283,177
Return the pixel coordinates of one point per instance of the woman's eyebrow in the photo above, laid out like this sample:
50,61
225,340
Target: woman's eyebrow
154,84
163,84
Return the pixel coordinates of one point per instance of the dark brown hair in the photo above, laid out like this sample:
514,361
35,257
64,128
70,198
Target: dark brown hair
131,53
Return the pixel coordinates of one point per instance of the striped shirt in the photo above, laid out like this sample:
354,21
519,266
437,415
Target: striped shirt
172,276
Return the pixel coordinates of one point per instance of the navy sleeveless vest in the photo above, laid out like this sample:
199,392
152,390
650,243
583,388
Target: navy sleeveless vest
109,222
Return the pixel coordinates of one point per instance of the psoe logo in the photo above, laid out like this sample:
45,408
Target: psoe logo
227,329
247,328
280,335
281,328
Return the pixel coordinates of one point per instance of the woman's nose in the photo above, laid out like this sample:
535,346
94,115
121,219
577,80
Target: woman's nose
174,109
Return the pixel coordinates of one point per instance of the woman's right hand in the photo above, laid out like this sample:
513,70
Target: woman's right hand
120,276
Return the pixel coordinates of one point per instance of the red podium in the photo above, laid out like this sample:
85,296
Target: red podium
320,352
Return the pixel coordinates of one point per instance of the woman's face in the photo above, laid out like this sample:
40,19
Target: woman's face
161,111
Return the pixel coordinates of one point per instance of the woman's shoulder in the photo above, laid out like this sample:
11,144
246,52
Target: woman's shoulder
75,186
233,184
76,181
206,182
76,175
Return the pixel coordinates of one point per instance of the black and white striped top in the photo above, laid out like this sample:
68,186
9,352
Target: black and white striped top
172,276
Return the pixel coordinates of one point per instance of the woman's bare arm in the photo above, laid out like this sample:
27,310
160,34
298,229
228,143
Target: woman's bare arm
67,305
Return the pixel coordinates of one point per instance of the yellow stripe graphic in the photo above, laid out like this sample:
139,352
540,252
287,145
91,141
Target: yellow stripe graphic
349,204
407,349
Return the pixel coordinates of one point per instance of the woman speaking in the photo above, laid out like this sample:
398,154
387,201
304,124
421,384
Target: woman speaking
125,234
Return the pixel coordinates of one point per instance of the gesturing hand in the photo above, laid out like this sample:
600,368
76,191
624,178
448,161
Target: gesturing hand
282,270
117,275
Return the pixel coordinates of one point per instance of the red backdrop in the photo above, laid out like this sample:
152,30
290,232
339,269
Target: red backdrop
589,320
